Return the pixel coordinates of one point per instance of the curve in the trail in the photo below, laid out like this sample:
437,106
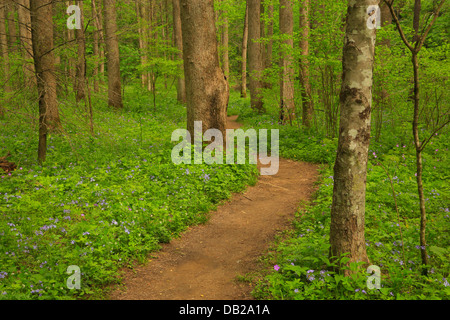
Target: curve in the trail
204,261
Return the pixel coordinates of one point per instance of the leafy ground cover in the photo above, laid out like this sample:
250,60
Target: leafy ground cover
299,264
99,202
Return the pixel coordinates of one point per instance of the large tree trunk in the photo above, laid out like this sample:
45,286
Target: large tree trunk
287,106
207,91
42,40
25,39
348,206
244,55
80,78
4,47
307,102
178,39
255,54
112,54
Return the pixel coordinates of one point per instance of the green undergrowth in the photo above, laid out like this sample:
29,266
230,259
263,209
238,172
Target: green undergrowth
100,202
300,269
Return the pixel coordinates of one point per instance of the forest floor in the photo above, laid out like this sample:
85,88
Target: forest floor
203,263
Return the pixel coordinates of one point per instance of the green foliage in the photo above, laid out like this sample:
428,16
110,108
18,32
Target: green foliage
100,202
303,269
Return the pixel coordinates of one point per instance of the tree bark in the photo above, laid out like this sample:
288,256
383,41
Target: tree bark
287,106
42,43
307,102
95,46
269,48
112,55
25,39
12,29
244,55
207,91
225,41
140,13
178,39
350,170
4,47
416,19
80,78
255,55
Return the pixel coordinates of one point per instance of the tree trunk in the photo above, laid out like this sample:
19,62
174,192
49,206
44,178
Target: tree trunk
25,39
415,48
42,43
416,19
287,106
80,78
95,46
178,39
4,47
112,55
71,60
307,102
225,40
417,143
244,55
269,48
12,29
207,91
348,206
255,55
140,13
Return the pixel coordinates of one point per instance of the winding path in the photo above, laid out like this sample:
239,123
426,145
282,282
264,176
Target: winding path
205,260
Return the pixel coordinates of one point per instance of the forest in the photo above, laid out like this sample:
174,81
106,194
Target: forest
93,206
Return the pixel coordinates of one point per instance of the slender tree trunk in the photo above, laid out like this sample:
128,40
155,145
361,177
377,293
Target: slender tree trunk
152,36
207,91
255,55
178,39
417,143
112,54
102,43
12,29
80,79
95,47
348,205
415,48
4,47
71,60
416,19
244,55
140,13
287,106
307,102
269,49
225,40
25,39
42,40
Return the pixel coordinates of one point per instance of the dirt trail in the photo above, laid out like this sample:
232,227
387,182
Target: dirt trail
204,262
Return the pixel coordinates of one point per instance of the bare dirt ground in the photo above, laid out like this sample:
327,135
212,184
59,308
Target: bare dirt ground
203,263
